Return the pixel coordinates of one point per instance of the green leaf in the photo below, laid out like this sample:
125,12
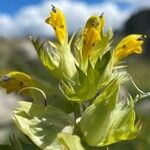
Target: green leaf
94,122
41,124
88,84
108,120
59,101
70,142
122,124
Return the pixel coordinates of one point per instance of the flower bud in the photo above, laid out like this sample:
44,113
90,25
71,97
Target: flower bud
58,22
15,81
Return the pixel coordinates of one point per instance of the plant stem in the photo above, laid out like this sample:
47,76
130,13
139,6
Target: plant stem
77,111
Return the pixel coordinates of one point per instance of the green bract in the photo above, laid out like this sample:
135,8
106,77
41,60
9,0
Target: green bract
88,83
108,121
82,108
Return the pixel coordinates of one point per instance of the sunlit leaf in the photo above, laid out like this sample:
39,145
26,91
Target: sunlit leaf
41,124
108,120
70,142
95,119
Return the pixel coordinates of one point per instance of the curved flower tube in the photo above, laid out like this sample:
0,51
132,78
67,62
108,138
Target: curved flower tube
130,44
58,22
91,34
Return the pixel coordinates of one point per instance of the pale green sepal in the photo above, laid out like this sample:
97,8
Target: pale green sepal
87,85
76,46
45,52
49,56
41,124
70,142
58,59
67,62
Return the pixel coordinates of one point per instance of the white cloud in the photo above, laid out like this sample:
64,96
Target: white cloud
137,4
7,25
30,19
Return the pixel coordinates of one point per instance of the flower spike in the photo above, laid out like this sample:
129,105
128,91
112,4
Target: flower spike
130,44
58,22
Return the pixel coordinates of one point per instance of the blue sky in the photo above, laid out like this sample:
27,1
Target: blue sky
12,6
26,17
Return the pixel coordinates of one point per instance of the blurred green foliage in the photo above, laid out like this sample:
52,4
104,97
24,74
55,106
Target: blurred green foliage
138,68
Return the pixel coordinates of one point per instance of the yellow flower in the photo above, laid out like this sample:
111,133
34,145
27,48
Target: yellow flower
58,22
91,34
15,81
130,44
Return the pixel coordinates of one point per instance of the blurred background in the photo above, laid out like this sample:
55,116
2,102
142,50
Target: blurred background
21,18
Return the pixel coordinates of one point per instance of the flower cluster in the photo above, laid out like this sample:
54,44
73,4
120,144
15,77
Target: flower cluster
89,75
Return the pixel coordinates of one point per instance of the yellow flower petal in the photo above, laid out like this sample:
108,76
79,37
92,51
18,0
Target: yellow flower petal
130,44
91,34
92,37
58,22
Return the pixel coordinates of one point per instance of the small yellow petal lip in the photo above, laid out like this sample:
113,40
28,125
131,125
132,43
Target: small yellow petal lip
58,22
130,44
